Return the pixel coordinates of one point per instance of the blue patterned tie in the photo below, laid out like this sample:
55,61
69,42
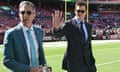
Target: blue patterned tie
32,49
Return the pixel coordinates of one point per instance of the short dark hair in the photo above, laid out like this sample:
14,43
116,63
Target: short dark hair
27,3
81,3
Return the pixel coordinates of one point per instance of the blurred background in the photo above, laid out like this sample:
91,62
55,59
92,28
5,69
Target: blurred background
104,15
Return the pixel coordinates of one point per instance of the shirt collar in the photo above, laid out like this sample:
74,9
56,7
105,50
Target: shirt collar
26,28
78,20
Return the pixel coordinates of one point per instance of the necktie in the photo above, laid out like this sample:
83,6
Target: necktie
32,49
82,32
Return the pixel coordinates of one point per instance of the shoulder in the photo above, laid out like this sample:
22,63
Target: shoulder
88,24
70,22
37,28
11,32
13,29
67,21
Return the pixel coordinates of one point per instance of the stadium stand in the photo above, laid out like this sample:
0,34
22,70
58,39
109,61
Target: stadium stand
105,21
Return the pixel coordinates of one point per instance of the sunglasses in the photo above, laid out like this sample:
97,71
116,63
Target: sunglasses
27,12
80,11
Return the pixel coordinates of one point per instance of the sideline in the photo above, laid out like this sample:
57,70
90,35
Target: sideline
106,63
64,43
104,41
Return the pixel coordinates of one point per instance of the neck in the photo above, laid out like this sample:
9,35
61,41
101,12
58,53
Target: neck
81,19
28,25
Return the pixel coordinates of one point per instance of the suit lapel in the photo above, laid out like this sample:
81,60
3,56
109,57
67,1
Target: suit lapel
88,30
21,38
39,41
74,23
37,35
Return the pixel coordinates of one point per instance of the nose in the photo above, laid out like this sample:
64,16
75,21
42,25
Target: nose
25,14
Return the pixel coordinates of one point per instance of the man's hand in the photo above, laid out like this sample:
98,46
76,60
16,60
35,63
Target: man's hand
57,18
35,69
41,69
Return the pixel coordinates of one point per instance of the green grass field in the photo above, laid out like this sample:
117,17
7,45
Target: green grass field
106,53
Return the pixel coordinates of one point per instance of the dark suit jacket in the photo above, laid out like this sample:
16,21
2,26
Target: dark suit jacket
78,56
15,49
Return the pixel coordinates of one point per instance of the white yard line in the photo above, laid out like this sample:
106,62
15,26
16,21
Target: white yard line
64,43
55,55
102,64
106,63
97,51
1,49
108,49
104,41
55,44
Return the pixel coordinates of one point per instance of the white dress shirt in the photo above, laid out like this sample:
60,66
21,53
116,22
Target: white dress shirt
84,27
27,42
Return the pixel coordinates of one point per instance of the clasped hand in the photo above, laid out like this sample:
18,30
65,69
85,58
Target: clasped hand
41,69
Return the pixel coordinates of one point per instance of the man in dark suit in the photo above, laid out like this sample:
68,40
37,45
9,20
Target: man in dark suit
23,49
78,56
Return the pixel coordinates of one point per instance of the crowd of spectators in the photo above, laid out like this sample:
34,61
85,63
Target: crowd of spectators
105,24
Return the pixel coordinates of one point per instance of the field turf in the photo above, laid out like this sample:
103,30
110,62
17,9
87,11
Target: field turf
106,53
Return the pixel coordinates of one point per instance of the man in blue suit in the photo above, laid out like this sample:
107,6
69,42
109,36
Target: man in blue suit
22,54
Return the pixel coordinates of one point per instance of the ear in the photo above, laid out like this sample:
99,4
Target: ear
34,15
18,14
74,11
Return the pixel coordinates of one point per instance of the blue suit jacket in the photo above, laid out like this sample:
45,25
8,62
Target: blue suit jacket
15,49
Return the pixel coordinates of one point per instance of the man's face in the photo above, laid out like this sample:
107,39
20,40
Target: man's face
26,14
80,12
